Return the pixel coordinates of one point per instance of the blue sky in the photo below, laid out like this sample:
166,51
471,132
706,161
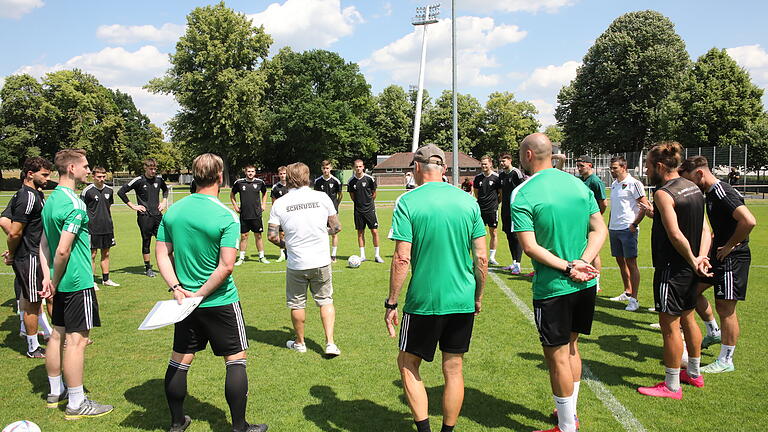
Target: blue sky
528,47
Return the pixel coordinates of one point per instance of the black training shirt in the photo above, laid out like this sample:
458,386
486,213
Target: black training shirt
278,190
722,201
509,181
147,192
689,208
362,190
331,187
487,191
250,192
27,208
98,203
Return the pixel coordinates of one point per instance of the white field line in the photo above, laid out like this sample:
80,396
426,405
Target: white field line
623,415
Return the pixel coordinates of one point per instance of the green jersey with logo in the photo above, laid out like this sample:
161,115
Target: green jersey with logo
64,211
596,185
440,221
198,226
556,206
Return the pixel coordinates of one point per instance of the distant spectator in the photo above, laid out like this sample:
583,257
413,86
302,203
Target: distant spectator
410,183
734,176
466,186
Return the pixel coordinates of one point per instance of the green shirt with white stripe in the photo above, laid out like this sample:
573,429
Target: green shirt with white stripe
198,226
65,211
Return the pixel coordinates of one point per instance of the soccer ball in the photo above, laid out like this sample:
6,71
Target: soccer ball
354,261
22,426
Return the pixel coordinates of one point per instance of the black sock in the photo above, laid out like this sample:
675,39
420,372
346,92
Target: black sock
423,425
105,277
236,392
447,428
176,390
147,265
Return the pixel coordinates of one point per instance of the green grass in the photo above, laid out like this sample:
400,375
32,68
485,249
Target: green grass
507,386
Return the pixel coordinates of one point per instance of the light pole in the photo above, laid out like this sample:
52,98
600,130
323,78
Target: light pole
425,15
456,168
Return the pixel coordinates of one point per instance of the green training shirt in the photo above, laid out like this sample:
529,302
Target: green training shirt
65,211
596,185
198,226
556,206
440,221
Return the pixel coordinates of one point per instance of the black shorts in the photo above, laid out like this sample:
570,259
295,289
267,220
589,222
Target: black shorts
251,225
102,241
76,311
674,289
29,277
223,326
731,275
490,218
557,317
419,334
148,224
366,219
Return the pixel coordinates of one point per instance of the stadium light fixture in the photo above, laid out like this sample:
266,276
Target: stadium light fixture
425,15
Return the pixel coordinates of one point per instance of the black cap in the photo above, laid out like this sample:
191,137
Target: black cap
584,158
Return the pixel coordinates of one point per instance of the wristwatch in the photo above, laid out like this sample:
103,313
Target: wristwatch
568,268
388,305
173,288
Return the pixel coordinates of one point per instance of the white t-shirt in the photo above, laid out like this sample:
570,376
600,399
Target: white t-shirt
303,215
624,207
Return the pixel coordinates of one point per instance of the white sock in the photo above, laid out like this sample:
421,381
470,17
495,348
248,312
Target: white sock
376,251
333,250
261,254
362,253
672,379
22,328
282,253
242,255
57,385
575,395
726,353
42,322
32,343
566,412
694,364
712,328
76,397
515,263
493,254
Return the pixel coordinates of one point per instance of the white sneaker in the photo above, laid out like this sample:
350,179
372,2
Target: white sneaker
378,259
621,297
633,305
110,282
493,261
302,348
655,325
281,258
264,260
332,350
239,261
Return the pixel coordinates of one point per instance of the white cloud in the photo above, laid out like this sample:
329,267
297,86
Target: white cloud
128,71
550,6
476,37
552,76
307,24
122,34
754,59
546,114
17,8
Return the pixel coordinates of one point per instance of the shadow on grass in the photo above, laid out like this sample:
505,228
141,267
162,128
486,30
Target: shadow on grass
509,276
626,346
12,339
359,415
154,414
38,377
609,374
278,338
137,270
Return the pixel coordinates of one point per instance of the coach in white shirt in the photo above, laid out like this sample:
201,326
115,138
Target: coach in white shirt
307,217
628,205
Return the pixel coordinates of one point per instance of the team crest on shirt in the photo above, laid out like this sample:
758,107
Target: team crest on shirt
243,187
363,184
490,183
106,196
624,186
254,186
145,186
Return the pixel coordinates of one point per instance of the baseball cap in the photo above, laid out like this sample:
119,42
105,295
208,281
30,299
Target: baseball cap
584,158
428,154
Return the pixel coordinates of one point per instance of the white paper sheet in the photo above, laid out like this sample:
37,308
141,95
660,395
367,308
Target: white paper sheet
169,312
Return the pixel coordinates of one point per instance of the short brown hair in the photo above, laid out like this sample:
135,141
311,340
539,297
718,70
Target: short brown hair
35,164
620,160
669,153
326,163
99,170
65,157
358,160
694,162
206,169
488,158
505,156
296,175
245,168
148,162
281,168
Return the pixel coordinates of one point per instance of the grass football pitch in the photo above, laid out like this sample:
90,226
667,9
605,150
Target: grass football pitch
507,385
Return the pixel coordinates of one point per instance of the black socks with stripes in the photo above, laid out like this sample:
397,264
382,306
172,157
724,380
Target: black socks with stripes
236,392
176,390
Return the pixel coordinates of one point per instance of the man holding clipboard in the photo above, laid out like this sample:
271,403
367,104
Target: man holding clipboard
196,257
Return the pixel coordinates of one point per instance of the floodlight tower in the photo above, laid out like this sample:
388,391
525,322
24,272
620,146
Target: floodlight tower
425,15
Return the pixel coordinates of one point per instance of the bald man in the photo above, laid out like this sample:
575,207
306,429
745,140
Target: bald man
561,250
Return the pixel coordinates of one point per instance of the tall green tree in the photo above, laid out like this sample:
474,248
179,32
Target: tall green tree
437,122
140,138
393,120
756,140
632,67
216,78
21,99
319,107
505,122
718,103
555,133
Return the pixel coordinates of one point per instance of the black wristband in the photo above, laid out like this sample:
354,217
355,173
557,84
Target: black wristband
568,268
388,305
173,288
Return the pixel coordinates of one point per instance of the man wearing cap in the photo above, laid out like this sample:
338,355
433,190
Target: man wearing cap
439,234
593,182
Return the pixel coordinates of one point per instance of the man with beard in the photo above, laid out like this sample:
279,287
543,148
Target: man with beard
510,178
